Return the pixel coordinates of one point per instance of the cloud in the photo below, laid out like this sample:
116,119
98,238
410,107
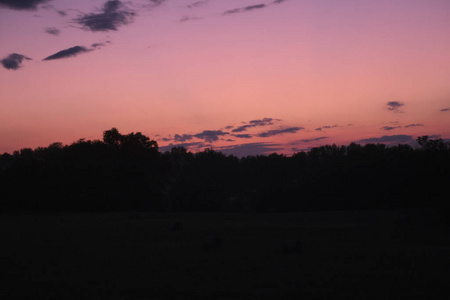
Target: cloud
280,131
242,128
413,125
113,14
313,140
445,109
254,123
326,127
101,44
13,61
182,138
390,127
22,4
67,53
210,135
389,139
394,106
251,7
243,150
52,30
197,4
157,2
279,1
189,18
243,9
243,136
263,122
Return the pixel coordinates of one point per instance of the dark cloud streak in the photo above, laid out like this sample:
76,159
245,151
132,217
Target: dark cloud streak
67,53
279,131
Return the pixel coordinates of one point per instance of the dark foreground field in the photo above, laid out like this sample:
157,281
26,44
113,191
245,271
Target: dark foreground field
348,255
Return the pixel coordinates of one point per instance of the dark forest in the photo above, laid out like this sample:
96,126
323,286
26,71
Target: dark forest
127,172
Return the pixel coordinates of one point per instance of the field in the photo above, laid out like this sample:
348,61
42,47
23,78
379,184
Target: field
350,255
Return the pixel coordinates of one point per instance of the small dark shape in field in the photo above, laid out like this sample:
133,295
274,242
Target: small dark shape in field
211,243
177,226
292,246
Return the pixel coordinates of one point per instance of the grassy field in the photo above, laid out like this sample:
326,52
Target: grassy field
350,255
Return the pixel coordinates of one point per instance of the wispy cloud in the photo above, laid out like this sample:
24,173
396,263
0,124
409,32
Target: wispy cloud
13,61
52,30
280,131
413,125
243,136
388,139
314,140
326,127
189,18
243,150
74,51
243,9
22,4
255,123
445,109
390,127
113,15
395,106
197,3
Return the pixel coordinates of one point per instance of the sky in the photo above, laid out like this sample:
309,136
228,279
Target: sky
245,77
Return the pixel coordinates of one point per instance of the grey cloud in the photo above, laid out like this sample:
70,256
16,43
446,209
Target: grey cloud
279,1
390,127
413,125
326,127
113,14
243,136
251,7
13,61
243,9
280,131
242,128
52,30
182,138
263,122
389,139
232,11
394,106
157,2
445,109
197,4
67,53
99,45
210,135
254,123
313,140
254,149
22,4
189,18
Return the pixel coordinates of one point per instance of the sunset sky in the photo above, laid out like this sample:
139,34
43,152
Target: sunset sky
240,76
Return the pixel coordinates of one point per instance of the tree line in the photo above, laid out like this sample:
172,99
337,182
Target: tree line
129,173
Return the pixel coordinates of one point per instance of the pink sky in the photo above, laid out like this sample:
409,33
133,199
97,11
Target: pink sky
306,72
